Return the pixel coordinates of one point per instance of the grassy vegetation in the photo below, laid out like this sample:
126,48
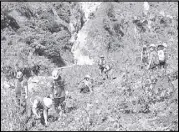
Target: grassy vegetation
34,36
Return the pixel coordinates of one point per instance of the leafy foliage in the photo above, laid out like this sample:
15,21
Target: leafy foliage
128,100
42,36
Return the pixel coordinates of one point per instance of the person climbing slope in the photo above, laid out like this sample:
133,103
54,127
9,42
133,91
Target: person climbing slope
86,84
21,90
104,67
40,104
162,55
144,56
153,57
57,91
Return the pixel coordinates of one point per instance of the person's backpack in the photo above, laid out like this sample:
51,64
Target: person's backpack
161,55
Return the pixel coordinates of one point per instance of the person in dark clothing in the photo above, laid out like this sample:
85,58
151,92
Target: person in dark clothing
21,90
57,91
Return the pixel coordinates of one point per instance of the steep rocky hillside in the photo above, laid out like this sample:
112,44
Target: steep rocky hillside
40,36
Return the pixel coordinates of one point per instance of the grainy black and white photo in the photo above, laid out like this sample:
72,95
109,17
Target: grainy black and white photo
89,66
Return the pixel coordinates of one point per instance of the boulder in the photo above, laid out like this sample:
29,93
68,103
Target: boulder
39,85
16,20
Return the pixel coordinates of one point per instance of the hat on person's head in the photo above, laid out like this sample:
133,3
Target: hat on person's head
152,45
165,45
87,77
144,47
102,56
19,74
55,74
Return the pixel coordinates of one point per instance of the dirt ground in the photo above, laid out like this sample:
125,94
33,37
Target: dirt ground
117,30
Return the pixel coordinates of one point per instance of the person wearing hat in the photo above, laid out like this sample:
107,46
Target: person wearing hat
86,84
102,63
57,91
104,68
153,57
44,100
20,88
161,54
38,104
144,55
107,68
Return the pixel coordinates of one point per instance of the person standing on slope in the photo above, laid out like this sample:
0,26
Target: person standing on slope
153,57
144,56
161,55
57,91
21,89
104,68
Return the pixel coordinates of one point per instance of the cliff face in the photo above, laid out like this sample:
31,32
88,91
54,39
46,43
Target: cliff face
58,34
81,32
110,27
43,29
80,44
53,34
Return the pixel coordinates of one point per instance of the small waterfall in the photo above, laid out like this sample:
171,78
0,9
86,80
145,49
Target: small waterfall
79,39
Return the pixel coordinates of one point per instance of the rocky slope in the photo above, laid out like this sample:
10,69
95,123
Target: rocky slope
53,34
